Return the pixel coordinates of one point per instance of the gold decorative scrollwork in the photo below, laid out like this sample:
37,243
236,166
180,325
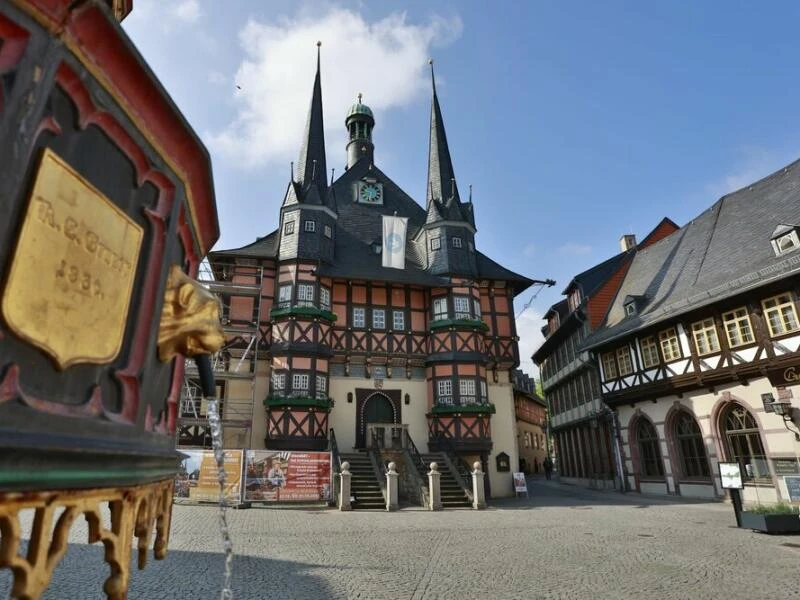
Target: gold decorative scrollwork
134,511
189,320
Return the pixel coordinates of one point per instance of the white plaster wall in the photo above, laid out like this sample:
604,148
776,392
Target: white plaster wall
504,436
695,490
653,488
343,414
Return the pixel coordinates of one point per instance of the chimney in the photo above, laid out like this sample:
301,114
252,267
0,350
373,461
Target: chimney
627,242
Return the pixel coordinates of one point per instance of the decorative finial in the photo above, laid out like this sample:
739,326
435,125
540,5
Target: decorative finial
359,97
291,170
314,170
470,193
319,43
332,172
433,78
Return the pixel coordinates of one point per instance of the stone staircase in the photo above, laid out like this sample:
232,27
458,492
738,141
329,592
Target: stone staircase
364,486
453,495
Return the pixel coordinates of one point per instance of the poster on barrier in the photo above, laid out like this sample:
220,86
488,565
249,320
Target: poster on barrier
197,478
272,476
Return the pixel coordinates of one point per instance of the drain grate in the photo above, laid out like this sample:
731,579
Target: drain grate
645,535
790,545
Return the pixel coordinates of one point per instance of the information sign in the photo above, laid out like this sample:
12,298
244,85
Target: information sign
731,475
793,487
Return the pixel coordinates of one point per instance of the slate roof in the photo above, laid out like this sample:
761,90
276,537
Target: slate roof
590,279
723,252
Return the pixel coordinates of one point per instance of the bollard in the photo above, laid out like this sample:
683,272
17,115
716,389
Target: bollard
478,491
344,487
433,487
391,487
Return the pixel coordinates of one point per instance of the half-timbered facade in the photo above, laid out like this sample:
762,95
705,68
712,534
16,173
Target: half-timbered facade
585,432
346,341
531,413
699,350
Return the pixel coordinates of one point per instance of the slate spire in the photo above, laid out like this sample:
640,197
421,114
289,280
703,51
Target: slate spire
441,177
311,167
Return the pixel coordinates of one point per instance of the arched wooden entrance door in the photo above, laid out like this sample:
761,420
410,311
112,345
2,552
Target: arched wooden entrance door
376,408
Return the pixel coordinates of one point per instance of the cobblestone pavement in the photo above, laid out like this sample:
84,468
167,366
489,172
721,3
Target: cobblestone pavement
563,542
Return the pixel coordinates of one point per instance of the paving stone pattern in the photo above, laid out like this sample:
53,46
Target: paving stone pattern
563,542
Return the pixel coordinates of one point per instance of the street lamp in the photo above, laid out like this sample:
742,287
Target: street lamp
782,409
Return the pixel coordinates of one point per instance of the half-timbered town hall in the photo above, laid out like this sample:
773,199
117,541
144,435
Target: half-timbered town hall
372,308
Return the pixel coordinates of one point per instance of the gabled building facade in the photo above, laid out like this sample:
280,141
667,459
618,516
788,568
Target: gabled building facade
698,354
346,341
584,430
531,414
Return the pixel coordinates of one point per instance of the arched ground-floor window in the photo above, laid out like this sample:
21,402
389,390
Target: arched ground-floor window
689,445
742,439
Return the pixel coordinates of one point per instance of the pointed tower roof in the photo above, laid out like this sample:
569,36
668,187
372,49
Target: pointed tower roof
441,177
311,168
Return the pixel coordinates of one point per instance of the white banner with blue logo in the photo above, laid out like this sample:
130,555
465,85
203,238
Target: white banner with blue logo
394,242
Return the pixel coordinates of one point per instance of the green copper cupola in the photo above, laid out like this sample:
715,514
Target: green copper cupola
359,122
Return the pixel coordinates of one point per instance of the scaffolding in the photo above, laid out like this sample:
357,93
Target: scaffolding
238,287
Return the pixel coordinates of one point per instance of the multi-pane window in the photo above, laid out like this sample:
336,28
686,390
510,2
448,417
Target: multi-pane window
744,443
737,327
300,382
278,382
444,389
328,231
456,242
691,447
461,305
649,351
324,298
624,360
284,296
670,347
466,391
288,227
781,314
398,320
359,317
477,305
705,336
439,308
310,226
378,318
609,366
305,294
484,395
436,243
649,450
322,386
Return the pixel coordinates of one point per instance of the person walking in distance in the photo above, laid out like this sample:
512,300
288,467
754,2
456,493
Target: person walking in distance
548,467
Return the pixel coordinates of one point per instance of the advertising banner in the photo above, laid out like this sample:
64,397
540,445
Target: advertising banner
197,479
272,476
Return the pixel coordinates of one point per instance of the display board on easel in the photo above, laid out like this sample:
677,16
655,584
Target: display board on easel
520,485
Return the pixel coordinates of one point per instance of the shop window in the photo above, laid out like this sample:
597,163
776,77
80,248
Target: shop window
743,443
690,446
650,464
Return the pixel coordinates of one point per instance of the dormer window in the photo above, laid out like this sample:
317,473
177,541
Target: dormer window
785,239
574,299
630,308
631,304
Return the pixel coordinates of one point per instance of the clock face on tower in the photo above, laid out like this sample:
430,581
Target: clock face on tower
370,193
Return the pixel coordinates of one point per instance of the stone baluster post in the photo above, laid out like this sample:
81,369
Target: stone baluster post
391,487
344,487
433,487
478,491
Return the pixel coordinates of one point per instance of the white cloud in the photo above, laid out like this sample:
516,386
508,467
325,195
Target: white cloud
187,10
385,60
529,330
754,164
575,249
217,78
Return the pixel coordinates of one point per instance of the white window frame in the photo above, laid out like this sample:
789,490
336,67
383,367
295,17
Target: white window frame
305,294
278,382
462,311
624,361
706,340
782,308
325,298
649,347
439,304
609,363
359,316
436,243
299,382
288,227
670,344
738,328
484,392
398,320
310,226
444,388
477,304
378,318
457,242
285,295
322,385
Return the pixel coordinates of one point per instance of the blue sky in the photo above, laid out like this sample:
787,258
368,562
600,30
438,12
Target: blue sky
574,122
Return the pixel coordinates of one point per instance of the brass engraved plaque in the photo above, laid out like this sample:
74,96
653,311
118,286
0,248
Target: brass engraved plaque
71,278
